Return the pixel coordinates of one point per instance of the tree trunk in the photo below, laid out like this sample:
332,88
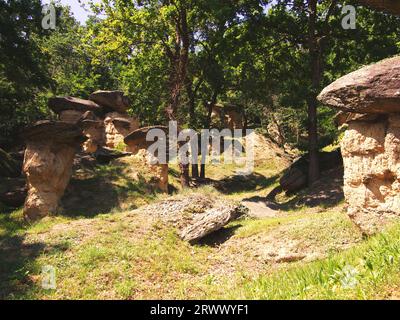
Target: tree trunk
203,171
192,105
185,177
179,62
209,106
195,170
315,67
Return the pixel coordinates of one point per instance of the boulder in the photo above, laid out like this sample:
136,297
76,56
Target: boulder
294,180
112,100
72,106
195,216
49,156
372,89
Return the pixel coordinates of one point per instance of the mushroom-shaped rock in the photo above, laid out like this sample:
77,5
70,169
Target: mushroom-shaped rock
343,118
370,146
117,126
137,140
72,109
114,100
94,131
49,155
139,147
372,89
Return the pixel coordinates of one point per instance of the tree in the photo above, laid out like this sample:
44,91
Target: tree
23,70
317,50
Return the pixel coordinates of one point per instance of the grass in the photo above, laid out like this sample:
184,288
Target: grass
114,254
359,273
123,257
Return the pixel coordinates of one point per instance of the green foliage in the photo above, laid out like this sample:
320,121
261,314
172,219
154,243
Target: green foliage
22,71
252,54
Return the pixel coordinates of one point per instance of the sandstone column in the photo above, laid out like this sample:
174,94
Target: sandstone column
49,155
369,100
137,144
117,123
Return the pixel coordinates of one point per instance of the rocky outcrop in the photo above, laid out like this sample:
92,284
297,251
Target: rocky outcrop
49,155
94,132
103,118
371,143
195,216
138,145
72,105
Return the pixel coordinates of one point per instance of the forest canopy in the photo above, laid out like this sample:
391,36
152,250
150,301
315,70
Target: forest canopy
176,59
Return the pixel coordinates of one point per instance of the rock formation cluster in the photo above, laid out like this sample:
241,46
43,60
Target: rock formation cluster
369,104
104,117
97,126
49,156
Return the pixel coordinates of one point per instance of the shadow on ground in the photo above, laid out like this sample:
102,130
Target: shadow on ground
17,259
325,193
249,183
104,189
219,237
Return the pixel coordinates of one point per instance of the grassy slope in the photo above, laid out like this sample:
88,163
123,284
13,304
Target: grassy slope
128,256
